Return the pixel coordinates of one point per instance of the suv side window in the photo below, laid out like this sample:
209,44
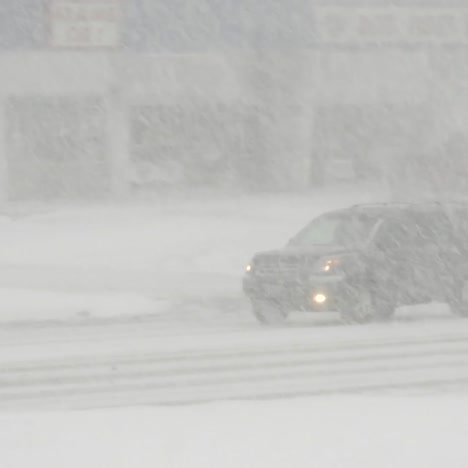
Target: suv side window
434,230
394,234
460,221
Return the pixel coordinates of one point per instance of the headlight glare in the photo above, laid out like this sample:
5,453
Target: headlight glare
326,265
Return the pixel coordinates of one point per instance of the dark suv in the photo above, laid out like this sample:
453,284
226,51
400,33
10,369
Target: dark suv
364,261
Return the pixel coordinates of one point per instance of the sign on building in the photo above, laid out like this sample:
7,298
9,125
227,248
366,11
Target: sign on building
392,25
85,23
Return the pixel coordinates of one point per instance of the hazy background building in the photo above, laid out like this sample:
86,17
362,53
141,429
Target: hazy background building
109,97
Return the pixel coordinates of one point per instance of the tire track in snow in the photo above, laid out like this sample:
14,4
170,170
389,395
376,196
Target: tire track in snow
252,369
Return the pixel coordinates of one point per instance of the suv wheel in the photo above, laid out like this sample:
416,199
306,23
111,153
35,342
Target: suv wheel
362,306
268,312
459,300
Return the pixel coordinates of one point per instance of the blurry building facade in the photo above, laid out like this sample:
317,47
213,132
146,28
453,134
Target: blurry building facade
109,98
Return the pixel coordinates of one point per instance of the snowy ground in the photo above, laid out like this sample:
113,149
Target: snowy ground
122,310
323,433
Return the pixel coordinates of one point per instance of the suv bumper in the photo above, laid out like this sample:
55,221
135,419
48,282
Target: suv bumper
318,293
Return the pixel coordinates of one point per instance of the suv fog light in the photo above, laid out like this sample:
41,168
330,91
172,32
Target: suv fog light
320,298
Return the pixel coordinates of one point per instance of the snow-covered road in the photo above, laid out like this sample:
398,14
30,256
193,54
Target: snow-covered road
182,359
131,310
121,306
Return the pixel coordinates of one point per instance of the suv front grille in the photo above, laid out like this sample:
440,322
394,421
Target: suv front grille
283,265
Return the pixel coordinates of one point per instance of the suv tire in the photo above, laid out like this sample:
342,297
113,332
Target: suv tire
459,299
268,312
361,305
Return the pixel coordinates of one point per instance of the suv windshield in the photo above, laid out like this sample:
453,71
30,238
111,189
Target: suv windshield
335,229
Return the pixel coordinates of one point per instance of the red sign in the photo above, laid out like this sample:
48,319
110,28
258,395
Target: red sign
85,23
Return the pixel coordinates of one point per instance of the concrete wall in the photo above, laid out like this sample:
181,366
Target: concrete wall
285,89
125,80
3,153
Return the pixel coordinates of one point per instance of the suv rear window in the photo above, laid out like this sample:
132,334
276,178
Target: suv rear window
416,230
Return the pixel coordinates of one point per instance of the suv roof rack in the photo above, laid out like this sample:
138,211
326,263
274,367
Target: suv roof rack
411,204
379,204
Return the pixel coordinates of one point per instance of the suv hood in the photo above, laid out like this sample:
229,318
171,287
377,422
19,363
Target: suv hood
315,251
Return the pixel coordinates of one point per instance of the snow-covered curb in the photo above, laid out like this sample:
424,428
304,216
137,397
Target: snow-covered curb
20,305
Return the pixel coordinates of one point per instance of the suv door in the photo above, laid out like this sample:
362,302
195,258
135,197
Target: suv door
442,260
399,262
459,220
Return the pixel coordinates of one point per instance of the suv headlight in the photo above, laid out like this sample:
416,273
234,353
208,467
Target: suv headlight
326,265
